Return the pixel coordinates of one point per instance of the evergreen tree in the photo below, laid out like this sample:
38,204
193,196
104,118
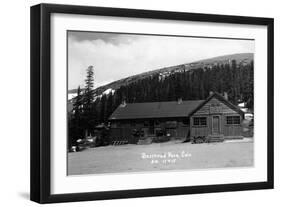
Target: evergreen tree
78,103
103,109
75,120
178,90
88,109
89,86
109,106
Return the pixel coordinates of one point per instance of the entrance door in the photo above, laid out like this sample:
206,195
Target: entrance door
151,127
216,124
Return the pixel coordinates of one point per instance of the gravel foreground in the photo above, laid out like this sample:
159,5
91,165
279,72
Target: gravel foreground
160,156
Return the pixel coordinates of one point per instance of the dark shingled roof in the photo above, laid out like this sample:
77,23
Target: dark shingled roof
155,110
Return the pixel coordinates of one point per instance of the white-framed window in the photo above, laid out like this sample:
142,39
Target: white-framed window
200,121
233,120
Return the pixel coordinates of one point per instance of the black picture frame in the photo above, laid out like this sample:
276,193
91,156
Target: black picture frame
40,103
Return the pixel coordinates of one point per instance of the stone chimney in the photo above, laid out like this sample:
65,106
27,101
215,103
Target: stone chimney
179,100
225,95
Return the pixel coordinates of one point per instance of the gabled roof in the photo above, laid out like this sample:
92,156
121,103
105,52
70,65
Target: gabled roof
171,109
155,110
220,98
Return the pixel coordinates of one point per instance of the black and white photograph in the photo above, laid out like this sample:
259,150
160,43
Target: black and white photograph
142,103
133,103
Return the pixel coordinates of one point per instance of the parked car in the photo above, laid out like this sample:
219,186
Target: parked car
73,149
83,144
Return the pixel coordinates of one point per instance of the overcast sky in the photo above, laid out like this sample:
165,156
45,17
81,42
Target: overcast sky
116,56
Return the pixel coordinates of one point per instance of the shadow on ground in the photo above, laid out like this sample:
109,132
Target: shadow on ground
24,195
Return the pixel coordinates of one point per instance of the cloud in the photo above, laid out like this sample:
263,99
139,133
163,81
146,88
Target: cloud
113,38
116,56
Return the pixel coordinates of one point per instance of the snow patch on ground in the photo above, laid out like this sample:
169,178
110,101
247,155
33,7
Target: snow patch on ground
108,91
71,96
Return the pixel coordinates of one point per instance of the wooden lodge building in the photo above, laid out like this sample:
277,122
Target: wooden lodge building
215,119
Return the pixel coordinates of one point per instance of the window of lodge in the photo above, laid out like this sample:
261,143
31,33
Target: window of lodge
232,120
200,121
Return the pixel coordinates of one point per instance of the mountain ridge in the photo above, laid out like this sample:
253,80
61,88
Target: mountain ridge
240,58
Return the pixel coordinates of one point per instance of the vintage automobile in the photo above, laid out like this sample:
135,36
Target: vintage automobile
85,143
